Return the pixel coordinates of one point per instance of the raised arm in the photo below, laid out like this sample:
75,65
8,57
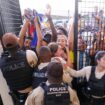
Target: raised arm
22,33
71,35
48,15
39,34
24,28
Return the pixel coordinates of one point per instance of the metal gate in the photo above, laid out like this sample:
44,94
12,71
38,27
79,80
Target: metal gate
90,37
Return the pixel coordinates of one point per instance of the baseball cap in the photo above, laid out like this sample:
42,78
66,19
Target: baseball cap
47,38
10,40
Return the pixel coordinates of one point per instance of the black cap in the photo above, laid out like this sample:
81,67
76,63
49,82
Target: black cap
47,38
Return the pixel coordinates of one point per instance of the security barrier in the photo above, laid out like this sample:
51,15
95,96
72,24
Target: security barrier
91,30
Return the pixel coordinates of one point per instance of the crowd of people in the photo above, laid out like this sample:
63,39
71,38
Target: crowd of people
42,74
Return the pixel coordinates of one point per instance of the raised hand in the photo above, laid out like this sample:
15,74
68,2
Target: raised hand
35,13
28,15
48,10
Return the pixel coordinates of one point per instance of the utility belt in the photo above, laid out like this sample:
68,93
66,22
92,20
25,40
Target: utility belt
98,97
96,100
18,98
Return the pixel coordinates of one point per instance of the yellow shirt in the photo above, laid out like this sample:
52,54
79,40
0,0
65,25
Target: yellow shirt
72,56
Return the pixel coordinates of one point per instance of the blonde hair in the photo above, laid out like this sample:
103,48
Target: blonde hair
65,37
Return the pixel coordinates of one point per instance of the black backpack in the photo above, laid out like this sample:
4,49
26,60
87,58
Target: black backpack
56,94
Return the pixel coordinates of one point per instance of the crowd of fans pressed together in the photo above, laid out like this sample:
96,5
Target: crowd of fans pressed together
42,74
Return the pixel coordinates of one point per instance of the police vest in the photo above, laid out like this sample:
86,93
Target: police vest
56,94
17,71
39,76
97,86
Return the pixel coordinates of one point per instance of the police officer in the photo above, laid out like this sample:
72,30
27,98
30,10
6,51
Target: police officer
95,76
40,72
17,68
54,91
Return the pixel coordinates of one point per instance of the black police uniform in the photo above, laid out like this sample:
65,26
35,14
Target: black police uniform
96,88
18,75
56,94
39,76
